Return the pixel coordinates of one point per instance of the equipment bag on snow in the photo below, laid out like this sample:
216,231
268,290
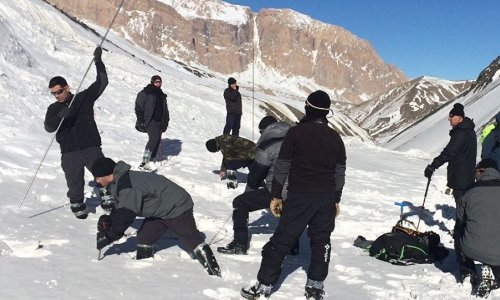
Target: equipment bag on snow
406,246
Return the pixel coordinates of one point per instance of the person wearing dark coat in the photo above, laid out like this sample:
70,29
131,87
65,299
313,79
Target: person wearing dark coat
256,197
232,97
153,116
163,204
491,143
77,135
313,158
479,233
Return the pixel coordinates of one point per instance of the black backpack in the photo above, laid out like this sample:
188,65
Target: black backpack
405,246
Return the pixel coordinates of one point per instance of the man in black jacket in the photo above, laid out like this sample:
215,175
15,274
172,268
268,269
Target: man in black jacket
152,117
78,135
233,107
313,158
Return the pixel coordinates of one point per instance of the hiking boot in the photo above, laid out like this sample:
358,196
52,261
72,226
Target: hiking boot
144,251
79,209
231,179
207,259
314,293
486,282
234,247
314,289
145,166
256,290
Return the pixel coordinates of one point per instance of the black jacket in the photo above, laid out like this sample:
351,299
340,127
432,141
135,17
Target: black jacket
314,158
149,100
460,154
78,130
233,101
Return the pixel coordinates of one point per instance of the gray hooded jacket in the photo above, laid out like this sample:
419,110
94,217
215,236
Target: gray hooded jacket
479,213
267,149
147,194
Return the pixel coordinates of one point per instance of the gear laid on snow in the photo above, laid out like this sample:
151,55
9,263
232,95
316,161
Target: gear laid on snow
231,179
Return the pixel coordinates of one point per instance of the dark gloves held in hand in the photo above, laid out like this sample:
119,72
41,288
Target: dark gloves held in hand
104,223
102,240
429,170
97,54
140,126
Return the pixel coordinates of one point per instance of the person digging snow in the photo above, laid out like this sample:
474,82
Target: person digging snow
163,204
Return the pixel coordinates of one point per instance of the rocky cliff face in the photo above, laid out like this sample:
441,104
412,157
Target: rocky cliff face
224,38
392,112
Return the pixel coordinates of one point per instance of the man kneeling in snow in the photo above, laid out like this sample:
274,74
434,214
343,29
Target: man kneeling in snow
161,202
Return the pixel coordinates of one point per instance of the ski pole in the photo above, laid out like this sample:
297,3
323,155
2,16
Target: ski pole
215,235
77,91
49,210
423,203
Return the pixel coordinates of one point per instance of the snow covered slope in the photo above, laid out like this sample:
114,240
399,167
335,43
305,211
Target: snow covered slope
46,253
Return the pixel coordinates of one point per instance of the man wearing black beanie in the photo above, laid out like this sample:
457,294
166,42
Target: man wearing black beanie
161,202
460,154
232,97
313,158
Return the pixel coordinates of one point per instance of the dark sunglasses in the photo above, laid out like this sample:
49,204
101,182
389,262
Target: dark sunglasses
57,93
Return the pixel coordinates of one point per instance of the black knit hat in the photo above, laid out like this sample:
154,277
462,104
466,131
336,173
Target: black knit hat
266,121
487,163
231,80
154,78
103,166
319,100
457,110
212,145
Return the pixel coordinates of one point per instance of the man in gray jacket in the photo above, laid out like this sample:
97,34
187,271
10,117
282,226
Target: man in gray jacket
160,201
479,227
255,196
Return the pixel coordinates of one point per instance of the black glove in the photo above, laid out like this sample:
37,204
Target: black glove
237,87
102,240
140,126
97,54
164,127
64,112
104,223
429,170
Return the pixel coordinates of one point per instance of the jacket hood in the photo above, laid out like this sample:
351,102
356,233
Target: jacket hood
151,89
466,124
276,130
120,168
489,174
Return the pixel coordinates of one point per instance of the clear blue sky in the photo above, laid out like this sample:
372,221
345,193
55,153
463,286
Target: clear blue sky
449,39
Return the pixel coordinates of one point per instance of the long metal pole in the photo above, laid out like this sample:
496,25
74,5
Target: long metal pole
77,91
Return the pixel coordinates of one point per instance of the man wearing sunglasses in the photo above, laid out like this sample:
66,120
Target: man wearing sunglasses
77,134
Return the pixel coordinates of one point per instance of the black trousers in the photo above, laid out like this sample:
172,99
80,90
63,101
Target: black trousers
458,228
184,226
154,134
233,123
73,164
242,205
316,211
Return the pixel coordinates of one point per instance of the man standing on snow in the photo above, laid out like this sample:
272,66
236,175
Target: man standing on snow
160,201
255,196
152,117
78,135
478,235
491,143
313,158
460,153
233,108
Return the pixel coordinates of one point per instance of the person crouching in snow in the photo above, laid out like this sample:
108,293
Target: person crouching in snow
160,201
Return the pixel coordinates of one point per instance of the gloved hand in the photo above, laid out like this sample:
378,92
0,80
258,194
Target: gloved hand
429,170
237,87
64,112
222,174
140,126
337,209
97,54
164,127
104,223
276,207
102,240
